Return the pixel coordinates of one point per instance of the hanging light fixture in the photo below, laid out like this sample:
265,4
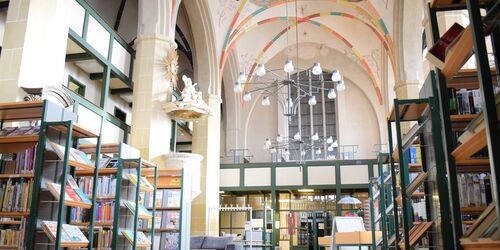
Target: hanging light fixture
242,78
316,70
336,76
332,94
261,70
315,137
238,87
335,144
318,151
297,136
312,100
329,140
341,86
279,138
266,101
288,68
247,97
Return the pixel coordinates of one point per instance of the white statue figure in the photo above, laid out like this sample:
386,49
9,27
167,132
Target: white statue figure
189,91
191,106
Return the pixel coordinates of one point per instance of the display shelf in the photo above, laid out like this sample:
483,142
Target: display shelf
106,148
15,222
78,131
18,139
462,118
416,233
14,214
463,153
458,54
409,112
102,171
472,210
467,79
483,233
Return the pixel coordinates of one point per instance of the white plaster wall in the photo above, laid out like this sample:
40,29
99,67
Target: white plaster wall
3,19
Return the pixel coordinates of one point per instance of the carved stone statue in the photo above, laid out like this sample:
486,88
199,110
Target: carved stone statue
191,106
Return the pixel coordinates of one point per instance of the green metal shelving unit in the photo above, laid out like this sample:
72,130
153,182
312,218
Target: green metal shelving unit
481,78
424,114
380,191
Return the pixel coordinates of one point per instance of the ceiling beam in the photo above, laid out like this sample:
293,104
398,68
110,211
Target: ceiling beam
98,76
121,91
119,15
78,57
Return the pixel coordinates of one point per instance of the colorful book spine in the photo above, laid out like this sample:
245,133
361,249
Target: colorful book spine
15,195
20,163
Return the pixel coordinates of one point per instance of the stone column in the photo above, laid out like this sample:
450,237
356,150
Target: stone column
34,46
151,127
206,141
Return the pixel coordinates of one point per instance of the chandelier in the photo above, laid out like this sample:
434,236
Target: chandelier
290,86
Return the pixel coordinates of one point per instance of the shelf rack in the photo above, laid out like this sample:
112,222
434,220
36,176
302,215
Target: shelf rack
458,157
424,116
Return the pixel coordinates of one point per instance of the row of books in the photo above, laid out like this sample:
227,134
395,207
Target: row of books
164,198
103,213
163,219
18,163
16,195
474,190
11,237
465,102
19,131
104,239
106,185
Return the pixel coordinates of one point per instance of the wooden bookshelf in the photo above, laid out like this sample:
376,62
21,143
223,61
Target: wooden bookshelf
409,112
102,171
14,222
159,230
21,111
78,131
458,54
472,210
10,176
467,79
18,139
96,223
414,167
81,165
165,208
453,3
106,148
462,118
416,233
14,214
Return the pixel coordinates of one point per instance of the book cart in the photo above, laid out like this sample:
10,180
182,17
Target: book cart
471,140
417,163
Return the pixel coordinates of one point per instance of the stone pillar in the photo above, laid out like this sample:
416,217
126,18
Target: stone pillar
34,46
151,127
206,141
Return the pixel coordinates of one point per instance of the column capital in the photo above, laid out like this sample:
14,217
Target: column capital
157,37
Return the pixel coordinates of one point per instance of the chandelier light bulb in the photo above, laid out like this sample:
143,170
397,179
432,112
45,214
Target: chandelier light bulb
247,97
336,76
279,138
286,153
273,150
303,153
261,70
315,137
266,101
329,140
242,78
288,68
317,69
318,151
331,94
297,136
238,87
267,144
341,86
335,144
330,148
312,100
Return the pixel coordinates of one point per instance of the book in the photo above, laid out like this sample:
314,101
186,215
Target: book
50,228
170,241
72,183
55,189
103,162
70,235
142,211
21,131
74,234
437,54
173,198
144,182
142,240
74,154
171,219
7,131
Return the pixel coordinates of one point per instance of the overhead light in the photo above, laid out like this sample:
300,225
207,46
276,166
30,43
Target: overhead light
288,68
317,69
330,148
341,86
242,78
306,190
318,151
336,76
312,100
279,138
332,94
297,136
247,97
329,140
266,101
286,153
315,137
261,70
238,87
335,144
